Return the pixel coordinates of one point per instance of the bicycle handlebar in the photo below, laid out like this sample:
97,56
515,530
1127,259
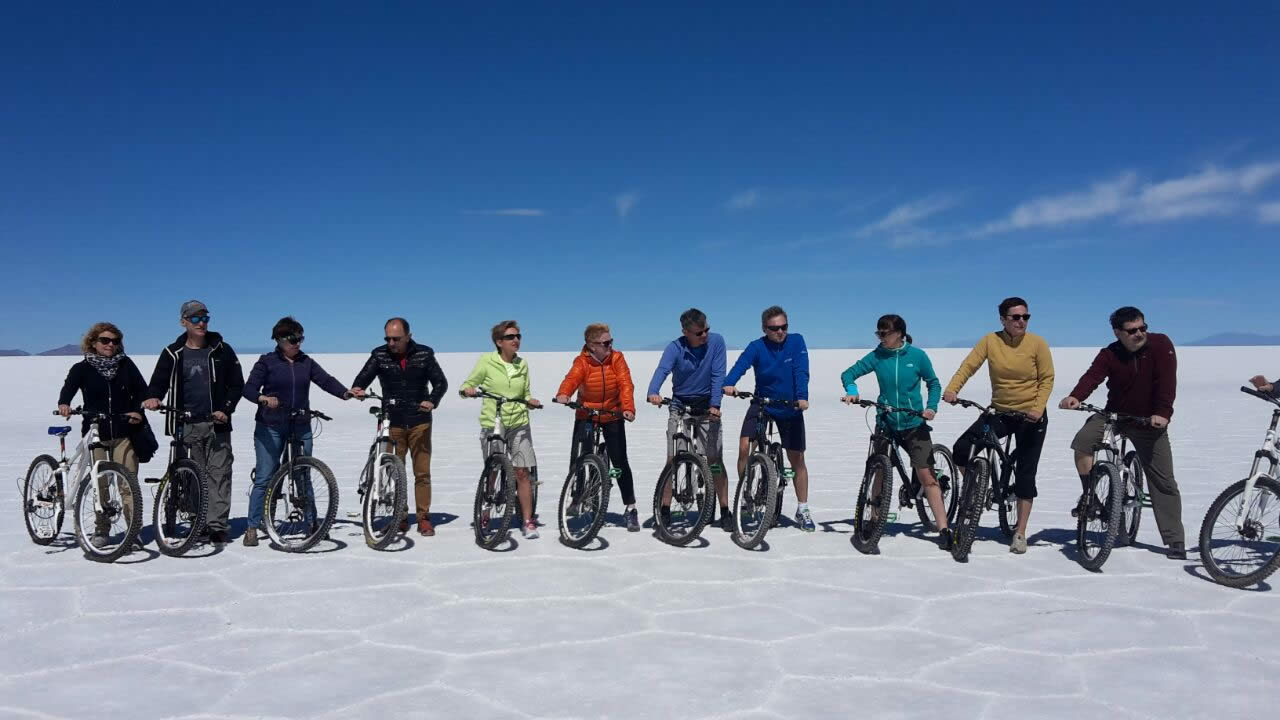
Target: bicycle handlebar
590,411
93,416
885,407
794,405
1120,417
500,399
299,412
1260,395
992,410
685,408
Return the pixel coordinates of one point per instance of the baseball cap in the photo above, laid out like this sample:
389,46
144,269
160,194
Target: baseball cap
191,307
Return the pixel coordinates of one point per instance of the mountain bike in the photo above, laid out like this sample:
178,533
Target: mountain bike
685,496
496,500
987,472
1112,508
1240,535
382,491
757,501
294,521
584,500
107,503
874,507
180,506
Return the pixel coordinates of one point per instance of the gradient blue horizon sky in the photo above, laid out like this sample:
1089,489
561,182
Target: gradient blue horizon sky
570,163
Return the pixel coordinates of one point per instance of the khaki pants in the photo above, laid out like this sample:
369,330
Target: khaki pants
417,440
1157,463
119,451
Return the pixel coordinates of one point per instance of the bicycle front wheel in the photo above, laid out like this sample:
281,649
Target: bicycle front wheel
1240,546
108,513
944,471
384,503
180,510
875,499
300,505
495,501
754,502
584,501
1099,519
42,500
1131,510
684,499
973,499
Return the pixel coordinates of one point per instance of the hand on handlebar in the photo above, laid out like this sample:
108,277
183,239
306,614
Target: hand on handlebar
802,405
469,392
929,414
655,400
849,399
628,416
1260,382
1034,415
268,401
426,406
533,403
151,403
135,418
64,411
357,393
1159,422
1069,403
730,390
221,417
949,397
714,412
560,399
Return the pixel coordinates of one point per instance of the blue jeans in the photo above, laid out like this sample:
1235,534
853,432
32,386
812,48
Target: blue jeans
268,448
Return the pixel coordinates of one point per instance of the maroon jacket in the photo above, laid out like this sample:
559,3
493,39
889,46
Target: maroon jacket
1142,383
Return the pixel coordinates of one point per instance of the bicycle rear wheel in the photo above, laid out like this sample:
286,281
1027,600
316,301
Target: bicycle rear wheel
584,500
754,502
1006,501
495,501
107,525
300,505
686,480
1131,511
384,504
42,500
180,509
944,470
1100,519
875,500
973,500
1240,546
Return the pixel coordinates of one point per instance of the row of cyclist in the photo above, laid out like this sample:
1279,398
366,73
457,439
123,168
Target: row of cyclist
1140,369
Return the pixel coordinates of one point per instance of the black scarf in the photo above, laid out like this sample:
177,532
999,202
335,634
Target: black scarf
106,366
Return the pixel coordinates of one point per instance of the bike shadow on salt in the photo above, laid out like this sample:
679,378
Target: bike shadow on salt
355,530
1198,572
1065,539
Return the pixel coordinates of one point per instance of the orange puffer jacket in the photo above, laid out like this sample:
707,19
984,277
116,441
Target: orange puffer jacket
603,386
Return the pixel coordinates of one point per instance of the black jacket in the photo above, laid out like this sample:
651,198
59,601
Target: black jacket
226,381
121,394
407,386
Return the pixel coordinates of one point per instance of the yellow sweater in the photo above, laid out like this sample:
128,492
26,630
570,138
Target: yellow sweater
1021,371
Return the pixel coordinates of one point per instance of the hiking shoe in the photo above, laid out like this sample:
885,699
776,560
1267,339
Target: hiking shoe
805,520
946,538
404,524
530,531
1019,544
1176,551
726,521
633,520
251,537
98,540
425,528
218,538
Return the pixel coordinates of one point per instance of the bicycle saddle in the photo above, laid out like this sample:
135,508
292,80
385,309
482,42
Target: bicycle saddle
59,430
375,410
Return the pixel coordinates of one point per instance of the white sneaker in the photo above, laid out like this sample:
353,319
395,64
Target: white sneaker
530,531
1019,544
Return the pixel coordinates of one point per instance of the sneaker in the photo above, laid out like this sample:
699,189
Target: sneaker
251,537
633,520
1019,544
726,521
218,538
425,528
404,525
530,531
98,540
946,539
1176,551
805,520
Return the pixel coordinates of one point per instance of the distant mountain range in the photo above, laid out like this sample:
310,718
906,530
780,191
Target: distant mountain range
1238,338
65,351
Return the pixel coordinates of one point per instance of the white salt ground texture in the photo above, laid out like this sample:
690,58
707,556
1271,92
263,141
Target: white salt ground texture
807,628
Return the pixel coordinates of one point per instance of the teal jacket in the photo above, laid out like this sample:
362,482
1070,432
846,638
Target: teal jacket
899,373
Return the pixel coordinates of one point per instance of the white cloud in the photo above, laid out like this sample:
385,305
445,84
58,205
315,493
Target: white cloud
1102,199
513,212
1269,212
743,200
908,214
624,202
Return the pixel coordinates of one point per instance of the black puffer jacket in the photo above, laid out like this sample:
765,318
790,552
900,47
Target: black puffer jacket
408,386
121,394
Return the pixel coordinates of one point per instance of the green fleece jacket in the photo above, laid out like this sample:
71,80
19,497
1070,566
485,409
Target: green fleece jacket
899,373
505,379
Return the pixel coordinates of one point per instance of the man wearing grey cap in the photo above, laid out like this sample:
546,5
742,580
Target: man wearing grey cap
201,375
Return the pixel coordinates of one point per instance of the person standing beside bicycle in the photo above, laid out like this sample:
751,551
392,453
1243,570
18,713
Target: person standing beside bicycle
603,380
696,362
200,374
780,361
503,372
1021,370
411,376
108,383
280,382
900,367
1141,370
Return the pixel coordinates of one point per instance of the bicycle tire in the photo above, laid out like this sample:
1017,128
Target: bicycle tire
502,497
871,513
778,456
1099,520
1006,501
697,493
381,530
43,528
313,528
183,492
945,474
973,500
586,489
1266,540
754,502
132,516
1133,489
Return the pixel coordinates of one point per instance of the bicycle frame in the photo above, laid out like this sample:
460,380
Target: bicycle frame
82,466
988,442
1270,451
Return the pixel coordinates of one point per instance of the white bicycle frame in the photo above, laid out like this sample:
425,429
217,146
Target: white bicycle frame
80,467
1269,451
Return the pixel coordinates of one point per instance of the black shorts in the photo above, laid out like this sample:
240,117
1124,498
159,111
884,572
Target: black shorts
790,429
1028,442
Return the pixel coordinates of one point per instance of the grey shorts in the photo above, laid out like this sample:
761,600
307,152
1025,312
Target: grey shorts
917,443
706,431
519,445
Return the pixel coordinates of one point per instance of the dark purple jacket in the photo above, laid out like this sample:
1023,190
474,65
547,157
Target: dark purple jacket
275,376
1142,383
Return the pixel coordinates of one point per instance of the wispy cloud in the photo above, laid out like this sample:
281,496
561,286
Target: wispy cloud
624,202
1269,213
511,212
744,200
1101,199
908,214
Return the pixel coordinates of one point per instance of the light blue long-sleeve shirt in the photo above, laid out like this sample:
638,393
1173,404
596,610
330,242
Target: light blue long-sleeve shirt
693,373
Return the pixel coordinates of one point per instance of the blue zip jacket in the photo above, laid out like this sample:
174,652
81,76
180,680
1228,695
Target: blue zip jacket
899,373
291,382
691,377
782,371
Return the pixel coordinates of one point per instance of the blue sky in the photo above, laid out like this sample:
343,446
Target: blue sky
568,163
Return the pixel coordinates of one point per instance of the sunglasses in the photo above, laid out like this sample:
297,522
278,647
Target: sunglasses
1134,331
512,336
776,328
391,339
603,343
882,333
292,339
1024,317
699,333
104,340
197,319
